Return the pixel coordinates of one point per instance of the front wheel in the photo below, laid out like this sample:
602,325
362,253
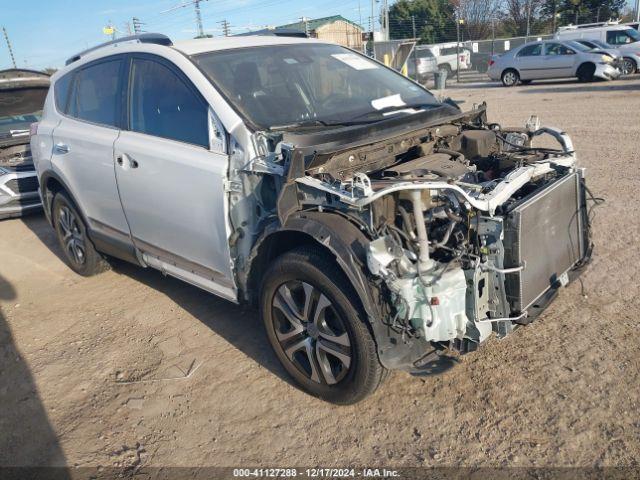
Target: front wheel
628,66
316,328
510,78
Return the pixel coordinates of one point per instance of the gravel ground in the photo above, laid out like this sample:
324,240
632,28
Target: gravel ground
129,368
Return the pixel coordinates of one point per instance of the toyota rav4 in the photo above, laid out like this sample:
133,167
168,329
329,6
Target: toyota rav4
374,226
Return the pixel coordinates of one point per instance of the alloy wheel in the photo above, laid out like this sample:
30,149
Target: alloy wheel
509,78
72,237
311,333
627,67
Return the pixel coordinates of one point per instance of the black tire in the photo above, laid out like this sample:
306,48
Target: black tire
510,77
300,282
585,72
77,249
628,66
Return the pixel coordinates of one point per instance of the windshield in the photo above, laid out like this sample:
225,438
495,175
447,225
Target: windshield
304,83
633,34
19,107
578,46
601,44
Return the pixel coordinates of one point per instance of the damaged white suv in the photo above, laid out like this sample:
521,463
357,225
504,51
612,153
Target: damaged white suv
372,224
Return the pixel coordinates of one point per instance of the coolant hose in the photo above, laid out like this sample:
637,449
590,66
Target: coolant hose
423,239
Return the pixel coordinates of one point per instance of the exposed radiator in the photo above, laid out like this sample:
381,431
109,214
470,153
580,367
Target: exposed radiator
546,233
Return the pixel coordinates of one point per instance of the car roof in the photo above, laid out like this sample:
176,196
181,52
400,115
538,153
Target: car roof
203,45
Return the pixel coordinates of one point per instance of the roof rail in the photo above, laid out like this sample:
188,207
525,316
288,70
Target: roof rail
157,38
608,23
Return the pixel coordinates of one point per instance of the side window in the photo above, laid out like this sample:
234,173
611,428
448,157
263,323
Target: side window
163,105
557,49
61,92
96,95
531,50
617,37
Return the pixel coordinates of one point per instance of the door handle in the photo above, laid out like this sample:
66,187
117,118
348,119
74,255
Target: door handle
61,148
120,159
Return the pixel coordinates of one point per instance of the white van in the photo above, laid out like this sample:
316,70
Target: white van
623,37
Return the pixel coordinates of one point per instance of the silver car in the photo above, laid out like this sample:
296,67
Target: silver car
551,59
372,225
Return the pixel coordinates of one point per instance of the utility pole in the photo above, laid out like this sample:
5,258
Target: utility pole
6,37
137,25
305,22
458,44
526,38
196,4
637,10
387,35
555,16
226,28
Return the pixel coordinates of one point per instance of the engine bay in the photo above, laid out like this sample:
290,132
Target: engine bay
470,225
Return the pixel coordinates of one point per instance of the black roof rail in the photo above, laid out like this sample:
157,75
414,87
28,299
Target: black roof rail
157,38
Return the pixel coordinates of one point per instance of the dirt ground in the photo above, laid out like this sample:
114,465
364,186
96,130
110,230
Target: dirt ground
130,368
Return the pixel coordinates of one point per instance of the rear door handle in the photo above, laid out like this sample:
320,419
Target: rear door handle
61,148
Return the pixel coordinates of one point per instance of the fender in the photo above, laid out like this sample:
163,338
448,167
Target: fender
349,244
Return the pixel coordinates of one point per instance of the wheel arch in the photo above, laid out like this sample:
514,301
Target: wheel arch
51,183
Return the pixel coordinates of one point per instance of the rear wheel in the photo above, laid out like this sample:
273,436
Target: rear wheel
317,330
628,66
585,72
71,231
510,78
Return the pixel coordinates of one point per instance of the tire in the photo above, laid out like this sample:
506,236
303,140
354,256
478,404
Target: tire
78,251
510,77
628,66
334,356
447,68
585,72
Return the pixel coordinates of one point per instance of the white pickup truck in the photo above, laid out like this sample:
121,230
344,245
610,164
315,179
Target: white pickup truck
446,54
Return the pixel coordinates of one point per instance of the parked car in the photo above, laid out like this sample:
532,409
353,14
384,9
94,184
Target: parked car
551,59
623,37
422,58
447,55
22,95
371,224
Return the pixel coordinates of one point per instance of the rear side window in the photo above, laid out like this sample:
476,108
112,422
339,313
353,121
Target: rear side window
164,105
531,50
96,93
61,92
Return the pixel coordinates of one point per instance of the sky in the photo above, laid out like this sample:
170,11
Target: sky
44,33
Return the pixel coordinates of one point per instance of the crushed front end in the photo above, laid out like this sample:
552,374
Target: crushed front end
471,228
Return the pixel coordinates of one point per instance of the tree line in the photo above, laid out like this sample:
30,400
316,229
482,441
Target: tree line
434,21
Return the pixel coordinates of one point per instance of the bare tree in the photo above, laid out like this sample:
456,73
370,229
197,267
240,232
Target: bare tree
478,16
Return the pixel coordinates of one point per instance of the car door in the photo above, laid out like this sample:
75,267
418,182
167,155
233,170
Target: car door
83,144
559,60
528,61
171,182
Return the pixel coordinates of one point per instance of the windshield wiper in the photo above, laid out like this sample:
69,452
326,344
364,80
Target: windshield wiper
394,108
319,123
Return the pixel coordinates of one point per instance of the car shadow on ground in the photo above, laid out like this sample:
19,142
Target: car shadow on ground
27,438
228,320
